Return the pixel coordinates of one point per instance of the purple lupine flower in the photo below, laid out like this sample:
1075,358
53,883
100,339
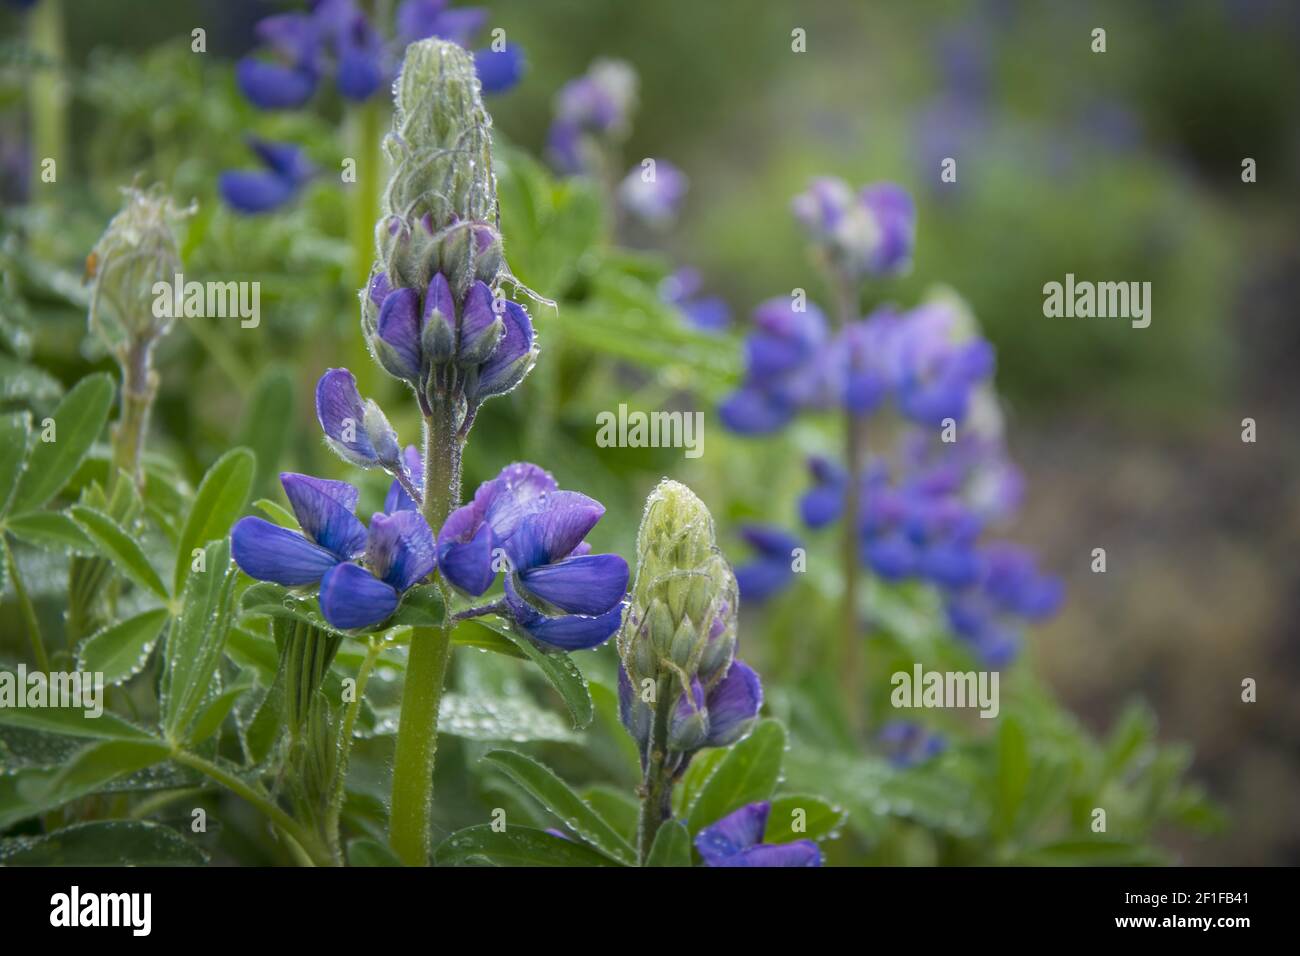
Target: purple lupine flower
337,38
414,333
908,743
871,233
715,712
682,289
355,429
717,717
591,110
771,571
362,572
555,589
412,465
786,368
938,368
1010,590
285,170
654,200
737,840
498,70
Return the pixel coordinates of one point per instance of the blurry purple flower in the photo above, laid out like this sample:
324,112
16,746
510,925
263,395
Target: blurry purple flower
772,571
286,169
707,313
736,840
785,369
871,233
908,743
591,110
653,193
1010,590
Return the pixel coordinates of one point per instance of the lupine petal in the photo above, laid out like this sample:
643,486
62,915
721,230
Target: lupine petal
733,704
269,552
796,854
550,535
571,632
734,833
254,191
476,323
512,495
750,411
350,597
324,510
468,564
586,585
284,159
759,580
499,70
359,73
509,363
399,327
397,499
270,86
399,548
342,415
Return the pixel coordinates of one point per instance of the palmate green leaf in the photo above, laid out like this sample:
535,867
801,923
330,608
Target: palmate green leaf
556,667
39,790
697,774
197,639
120,650
78,420
103,843
802,817
748,773
114,543
14,431
215,711
484,716
515,846
50,531
557,797
672,846
222,497
72,722
619,807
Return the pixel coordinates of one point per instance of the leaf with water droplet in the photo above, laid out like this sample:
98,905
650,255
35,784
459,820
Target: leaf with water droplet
121,650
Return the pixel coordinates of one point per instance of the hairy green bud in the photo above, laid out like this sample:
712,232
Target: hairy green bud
138,250
440,206
684,600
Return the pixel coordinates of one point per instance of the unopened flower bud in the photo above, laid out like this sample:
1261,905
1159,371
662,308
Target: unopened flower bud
138,251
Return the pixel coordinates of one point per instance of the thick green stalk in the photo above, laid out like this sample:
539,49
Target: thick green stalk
426,665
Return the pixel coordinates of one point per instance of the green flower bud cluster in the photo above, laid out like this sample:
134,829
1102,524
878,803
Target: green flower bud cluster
440,205
138,250
682,618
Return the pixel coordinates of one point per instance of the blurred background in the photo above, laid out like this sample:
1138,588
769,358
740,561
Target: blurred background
1122,166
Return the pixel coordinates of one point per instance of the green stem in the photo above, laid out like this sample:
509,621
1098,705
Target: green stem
29,612
306,841
48,93
656,787
139,386
426,666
